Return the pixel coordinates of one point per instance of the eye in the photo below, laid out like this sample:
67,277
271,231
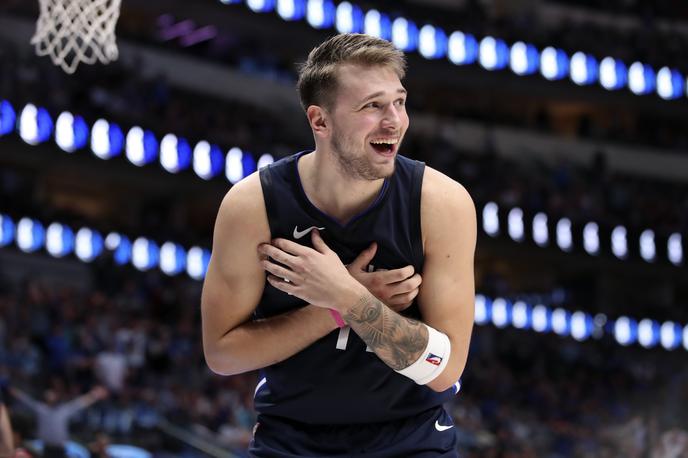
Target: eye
371,105
400,102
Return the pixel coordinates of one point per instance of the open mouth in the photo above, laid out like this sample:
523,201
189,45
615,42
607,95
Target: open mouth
386,147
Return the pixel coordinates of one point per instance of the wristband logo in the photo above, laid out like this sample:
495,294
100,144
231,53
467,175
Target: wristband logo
433,359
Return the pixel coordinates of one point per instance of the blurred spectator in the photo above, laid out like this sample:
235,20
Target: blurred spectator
53,416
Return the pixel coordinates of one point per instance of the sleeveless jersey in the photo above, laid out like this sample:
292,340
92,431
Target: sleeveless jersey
336,380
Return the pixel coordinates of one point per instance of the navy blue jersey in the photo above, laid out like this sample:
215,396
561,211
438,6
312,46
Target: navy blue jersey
337,380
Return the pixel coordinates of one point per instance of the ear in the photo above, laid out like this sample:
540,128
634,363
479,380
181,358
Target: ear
318,120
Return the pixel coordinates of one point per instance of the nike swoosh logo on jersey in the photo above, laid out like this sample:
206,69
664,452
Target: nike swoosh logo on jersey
441,428
298,234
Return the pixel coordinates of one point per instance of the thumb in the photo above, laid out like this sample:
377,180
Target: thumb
318,243
364,257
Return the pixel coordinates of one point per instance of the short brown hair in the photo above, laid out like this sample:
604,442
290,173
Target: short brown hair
318,75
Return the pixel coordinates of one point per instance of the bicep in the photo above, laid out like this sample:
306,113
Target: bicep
447,295
235,280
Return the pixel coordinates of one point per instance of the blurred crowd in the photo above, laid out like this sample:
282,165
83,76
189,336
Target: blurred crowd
132,343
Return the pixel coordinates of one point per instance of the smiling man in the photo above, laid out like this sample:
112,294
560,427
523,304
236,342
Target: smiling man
345,275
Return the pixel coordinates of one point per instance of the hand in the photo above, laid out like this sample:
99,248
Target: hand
315,275
396,288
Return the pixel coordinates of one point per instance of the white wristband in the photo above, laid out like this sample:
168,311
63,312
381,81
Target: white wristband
432,361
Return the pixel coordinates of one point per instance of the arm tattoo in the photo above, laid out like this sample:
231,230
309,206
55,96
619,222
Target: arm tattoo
397,340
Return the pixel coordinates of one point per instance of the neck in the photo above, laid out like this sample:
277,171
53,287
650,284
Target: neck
333,192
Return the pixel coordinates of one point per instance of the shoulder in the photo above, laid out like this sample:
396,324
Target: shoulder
243,207
445,203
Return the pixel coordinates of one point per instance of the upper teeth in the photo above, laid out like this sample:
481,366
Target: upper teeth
391,141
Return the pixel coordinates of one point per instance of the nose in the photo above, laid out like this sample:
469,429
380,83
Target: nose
392,117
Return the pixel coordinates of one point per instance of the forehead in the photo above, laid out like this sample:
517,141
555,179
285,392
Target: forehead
357,81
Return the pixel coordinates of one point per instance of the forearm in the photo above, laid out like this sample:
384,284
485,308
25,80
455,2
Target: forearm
397,340
257,344
6,437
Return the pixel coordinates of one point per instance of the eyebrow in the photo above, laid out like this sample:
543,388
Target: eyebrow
379,93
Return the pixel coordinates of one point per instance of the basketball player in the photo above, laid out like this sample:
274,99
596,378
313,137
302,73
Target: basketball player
340,234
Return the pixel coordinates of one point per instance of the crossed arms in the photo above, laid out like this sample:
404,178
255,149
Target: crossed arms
368,302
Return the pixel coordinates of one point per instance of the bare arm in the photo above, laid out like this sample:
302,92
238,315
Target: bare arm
446,297
233,286
6,437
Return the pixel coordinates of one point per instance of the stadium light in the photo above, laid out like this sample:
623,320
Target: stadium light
564,236
501,312
175,153
670,84
619,242
142,146
554,63
7,117
145,254
591,238
641,78
261,6
670,335
207,160
349,18
675,249
462,49
71,132
107,139
515,225
377,24
584,69
648,333
172,258
265,160
35,124
613,74
493,53
432,42
625,331
30,235
88,244
542,319
405,34
320,14
59,240
522,315
483,309
647,245
291,10
491,219
524,58
540,230
197,262
7,230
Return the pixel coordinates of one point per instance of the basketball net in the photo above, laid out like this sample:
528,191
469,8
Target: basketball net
73,31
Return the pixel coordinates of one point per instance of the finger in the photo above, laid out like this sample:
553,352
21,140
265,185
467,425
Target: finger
396,275
281,272
281,285
403,298
277,254
318,243
407,285
364,257
291,247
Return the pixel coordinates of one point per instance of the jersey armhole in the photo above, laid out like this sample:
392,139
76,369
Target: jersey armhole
415,210
270,203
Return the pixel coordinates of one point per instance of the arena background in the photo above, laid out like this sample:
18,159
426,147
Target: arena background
565,120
